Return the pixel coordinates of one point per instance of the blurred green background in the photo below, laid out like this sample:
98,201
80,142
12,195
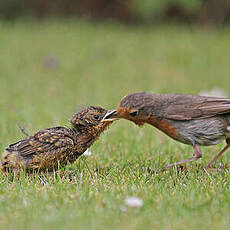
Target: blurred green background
50,68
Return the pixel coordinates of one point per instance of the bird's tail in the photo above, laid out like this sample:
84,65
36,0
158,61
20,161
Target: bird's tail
6,161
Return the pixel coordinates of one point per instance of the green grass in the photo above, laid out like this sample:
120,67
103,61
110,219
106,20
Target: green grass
99,64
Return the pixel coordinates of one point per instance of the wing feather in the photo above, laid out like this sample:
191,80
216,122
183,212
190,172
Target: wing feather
187,107
53,141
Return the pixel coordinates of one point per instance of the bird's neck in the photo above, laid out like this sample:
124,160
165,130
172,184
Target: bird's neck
84,139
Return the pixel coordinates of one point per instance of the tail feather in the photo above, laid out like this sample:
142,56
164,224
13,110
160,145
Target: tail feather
8,160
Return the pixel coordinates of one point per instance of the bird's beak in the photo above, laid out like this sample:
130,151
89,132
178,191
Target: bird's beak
111,115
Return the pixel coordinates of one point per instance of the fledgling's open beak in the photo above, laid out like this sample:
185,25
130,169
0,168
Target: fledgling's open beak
111,115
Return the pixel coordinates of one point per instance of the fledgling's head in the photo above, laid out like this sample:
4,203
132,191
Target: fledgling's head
89,120
134,107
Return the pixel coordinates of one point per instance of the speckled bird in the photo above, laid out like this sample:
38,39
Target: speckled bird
189,119
49,148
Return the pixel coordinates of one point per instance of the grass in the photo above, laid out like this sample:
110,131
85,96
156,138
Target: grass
49,70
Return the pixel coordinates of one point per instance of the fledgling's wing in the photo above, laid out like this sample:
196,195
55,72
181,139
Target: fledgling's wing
187,107
38,149
53,140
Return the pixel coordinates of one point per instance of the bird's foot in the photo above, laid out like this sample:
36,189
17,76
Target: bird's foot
180,162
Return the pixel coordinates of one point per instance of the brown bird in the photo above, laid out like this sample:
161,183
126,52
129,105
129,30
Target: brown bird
190,119
49,148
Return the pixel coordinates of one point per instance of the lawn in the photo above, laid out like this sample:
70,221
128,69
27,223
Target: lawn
51,69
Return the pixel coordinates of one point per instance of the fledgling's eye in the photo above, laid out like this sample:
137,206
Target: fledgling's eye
96,117
133,114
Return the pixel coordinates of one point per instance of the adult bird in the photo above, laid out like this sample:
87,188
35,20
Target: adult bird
189,119
49,148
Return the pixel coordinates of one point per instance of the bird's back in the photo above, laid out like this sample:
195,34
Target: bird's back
42,150
177,106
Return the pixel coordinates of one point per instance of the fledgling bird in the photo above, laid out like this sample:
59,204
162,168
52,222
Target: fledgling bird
49,148
190,119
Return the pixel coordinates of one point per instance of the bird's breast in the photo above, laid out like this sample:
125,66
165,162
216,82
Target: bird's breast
165,126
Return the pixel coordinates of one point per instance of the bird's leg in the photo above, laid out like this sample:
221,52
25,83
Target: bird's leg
197,154
219,154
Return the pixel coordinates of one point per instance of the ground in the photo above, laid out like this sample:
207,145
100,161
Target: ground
50,70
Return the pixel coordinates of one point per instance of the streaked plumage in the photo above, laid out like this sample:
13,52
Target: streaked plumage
49,148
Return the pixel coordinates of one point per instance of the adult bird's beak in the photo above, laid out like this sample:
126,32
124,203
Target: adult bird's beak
111,115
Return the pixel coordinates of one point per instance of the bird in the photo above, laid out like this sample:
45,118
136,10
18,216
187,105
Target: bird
53,147
190,119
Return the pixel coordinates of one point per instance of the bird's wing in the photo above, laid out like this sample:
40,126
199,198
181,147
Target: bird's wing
196,107
53,141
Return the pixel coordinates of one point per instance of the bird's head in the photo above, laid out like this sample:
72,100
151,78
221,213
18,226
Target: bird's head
89,120
134,107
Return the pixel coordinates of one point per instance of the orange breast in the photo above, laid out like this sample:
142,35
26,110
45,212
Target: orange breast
164,126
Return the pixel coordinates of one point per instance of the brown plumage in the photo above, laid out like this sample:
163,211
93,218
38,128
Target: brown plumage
49,148
190,119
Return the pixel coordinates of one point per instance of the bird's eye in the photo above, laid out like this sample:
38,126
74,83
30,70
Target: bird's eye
133,114
96,117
